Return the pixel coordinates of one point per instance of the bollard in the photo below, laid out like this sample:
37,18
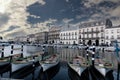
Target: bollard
87,55
93,58
2,55
11,52
21,51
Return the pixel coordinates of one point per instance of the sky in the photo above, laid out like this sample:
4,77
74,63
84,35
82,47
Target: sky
22,17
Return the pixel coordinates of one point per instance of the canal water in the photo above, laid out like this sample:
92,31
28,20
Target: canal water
66,55
63,72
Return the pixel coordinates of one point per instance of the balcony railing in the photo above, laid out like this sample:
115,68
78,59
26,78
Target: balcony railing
91,38
90,32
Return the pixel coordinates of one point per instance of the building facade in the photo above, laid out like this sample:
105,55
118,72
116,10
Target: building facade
41,37
20,39
31,38
53,35
112,34
93,33
69,35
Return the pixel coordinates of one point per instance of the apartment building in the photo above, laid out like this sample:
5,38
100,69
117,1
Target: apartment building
69,35
112,34
41,37
53,35
93,33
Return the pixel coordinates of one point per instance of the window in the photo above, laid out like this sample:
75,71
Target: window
91,29
72,33
79,31
87,30
112,31
106,32
83,30
87,36
112,37
102,35
118,30
96,29
101,28
107,37
118,36
80,37
96,23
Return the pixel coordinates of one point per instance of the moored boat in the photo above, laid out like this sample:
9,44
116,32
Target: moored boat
50,62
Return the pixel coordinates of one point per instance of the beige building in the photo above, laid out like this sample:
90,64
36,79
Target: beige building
41,37
53,35
31,38
20,39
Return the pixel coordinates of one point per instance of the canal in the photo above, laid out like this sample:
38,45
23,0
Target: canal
66,55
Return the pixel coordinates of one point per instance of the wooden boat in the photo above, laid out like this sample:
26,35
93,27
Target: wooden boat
77,72
50,62
23,68
20,71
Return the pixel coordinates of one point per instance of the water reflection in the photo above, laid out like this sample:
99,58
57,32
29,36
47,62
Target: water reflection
67,54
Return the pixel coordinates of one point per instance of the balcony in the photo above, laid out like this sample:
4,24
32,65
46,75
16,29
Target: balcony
90,32
92,38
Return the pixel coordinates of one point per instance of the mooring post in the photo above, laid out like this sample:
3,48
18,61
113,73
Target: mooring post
11,53
2,55
118,71
21,51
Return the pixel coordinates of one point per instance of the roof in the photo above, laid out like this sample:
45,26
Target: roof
69,28
113,27
92,24
106,22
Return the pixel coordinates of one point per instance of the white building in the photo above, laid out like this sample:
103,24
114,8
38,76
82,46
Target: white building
69,35
92,33
112,34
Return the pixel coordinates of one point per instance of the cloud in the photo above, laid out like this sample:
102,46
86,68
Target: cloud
16,14
90,3
3,19
14,34
42,2
34,16
67,0
66,20
78,16
115,12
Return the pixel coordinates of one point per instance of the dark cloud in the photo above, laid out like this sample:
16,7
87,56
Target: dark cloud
17,33
70,9
3,19
11,28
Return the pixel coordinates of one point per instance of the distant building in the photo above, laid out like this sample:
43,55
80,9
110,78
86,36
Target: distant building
41,37
112,34
93,33
20,39
69,35
31,38
53,35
